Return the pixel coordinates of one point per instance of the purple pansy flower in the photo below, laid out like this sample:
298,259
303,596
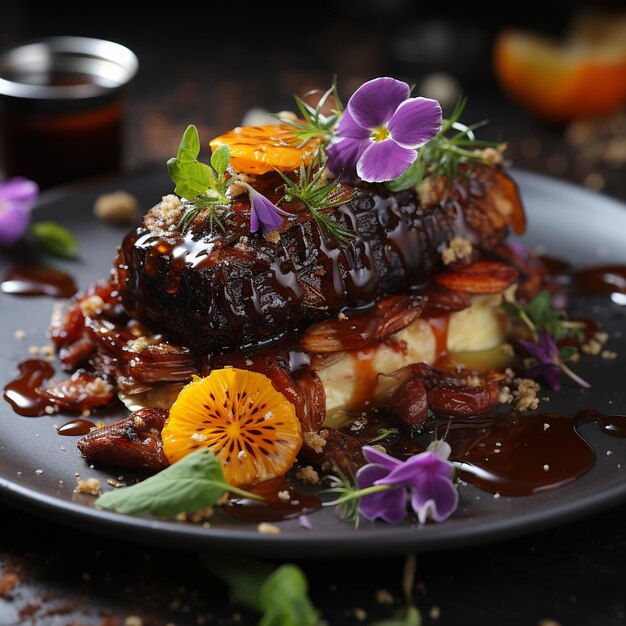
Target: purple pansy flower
264,214
17,197
425,478
380,130
549,364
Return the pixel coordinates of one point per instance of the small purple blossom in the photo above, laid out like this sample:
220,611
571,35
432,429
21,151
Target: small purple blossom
425,479
17,198
549,364
379,132
264,214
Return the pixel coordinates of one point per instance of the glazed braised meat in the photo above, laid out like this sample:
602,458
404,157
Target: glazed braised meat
231,290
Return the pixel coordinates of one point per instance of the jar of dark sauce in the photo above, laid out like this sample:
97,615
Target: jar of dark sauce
62,108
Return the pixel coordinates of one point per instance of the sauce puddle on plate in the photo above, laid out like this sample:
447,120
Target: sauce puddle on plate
34,280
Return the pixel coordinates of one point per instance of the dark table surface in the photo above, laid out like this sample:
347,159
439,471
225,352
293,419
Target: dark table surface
210,71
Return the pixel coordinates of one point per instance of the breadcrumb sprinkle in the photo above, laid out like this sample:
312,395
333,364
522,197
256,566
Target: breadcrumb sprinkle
458,248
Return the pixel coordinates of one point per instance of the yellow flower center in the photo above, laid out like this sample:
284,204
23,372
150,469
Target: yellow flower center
379,134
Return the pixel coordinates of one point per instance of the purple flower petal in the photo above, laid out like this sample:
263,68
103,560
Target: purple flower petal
436,498
389,505
263,212
17,197
19,190
414,469
416,121
343,156
373,455
14,222
347,127
375,101
551,372
383,161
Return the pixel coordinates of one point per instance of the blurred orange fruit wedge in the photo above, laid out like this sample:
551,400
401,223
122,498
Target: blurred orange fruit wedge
583,76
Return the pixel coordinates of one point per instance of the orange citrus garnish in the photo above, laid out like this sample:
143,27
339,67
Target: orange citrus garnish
261,149
251,428
583,76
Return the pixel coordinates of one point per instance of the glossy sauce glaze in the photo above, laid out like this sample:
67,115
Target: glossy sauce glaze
232,290
76,427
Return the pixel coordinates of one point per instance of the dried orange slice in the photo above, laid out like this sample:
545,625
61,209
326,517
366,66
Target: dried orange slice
251,428
261,149
581,77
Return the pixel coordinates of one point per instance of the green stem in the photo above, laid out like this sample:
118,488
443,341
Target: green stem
242,492
359,493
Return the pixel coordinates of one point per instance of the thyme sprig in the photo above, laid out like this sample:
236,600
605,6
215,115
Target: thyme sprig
318,194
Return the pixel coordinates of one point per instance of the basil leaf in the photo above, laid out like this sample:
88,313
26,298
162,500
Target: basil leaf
510,307
284,599
410,177
220,160
193,483
55,239
190,176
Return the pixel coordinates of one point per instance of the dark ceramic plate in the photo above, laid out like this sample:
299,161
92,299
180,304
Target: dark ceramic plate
38,467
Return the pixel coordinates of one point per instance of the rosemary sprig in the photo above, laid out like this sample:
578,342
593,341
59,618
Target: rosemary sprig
314,123
318,195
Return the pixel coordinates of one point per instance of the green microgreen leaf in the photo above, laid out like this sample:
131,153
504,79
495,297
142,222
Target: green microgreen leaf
190,176
220,160
55,239
193,483
205,187
279,594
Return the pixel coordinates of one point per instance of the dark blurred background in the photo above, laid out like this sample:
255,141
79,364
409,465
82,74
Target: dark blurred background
209,64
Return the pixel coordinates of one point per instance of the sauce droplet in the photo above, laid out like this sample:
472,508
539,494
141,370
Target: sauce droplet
24,392
76,427
38,281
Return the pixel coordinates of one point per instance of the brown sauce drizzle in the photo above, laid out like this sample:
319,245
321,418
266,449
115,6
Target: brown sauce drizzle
35,280
273,508
24,392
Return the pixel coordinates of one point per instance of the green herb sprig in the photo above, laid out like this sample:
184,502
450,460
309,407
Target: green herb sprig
203,186
313,123
192,484
455,145
318,195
